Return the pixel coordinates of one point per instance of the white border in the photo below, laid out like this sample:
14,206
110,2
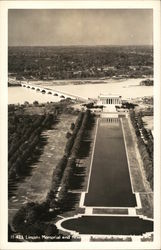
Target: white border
4,6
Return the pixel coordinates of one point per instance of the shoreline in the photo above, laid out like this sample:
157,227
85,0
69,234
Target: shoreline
63,82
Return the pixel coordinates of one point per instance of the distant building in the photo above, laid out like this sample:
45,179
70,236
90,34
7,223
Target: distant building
106,68
109,102
108,99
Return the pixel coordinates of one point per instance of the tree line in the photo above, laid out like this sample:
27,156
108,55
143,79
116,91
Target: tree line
79,62
145,144
60,197
67,166
24,135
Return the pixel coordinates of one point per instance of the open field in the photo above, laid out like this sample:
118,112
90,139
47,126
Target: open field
149,123
147,205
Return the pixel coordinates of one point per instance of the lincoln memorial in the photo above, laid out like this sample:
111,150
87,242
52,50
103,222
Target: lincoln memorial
109,99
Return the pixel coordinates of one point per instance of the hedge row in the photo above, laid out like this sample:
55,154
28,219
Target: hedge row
71,140
56,179
77,141
58,173
65,201
148,164
64,173
139,126
146,150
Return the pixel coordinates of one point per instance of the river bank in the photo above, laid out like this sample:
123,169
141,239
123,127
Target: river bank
127,88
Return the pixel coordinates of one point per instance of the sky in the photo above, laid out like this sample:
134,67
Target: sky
29,27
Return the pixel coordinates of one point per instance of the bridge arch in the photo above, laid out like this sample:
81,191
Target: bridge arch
53,92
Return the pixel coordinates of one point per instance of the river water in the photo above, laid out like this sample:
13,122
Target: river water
129,88
20,95
126,88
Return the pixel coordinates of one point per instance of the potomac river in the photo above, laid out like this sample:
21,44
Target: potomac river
129,88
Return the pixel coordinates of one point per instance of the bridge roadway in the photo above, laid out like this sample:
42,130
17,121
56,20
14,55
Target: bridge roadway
53,92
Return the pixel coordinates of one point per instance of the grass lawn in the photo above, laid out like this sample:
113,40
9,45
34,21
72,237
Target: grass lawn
139,182
109,211
147,208
149,123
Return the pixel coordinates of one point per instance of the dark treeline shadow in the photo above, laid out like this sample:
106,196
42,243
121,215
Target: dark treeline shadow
27,167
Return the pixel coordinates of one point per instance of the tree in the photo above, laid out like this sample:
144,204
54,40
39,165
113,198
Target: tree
36,103
72,126
51,230
10,233
68,135
26,103
29,219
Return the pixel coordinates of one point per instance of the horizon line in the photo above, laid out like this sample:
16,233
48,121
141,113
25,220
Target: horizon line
84,45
